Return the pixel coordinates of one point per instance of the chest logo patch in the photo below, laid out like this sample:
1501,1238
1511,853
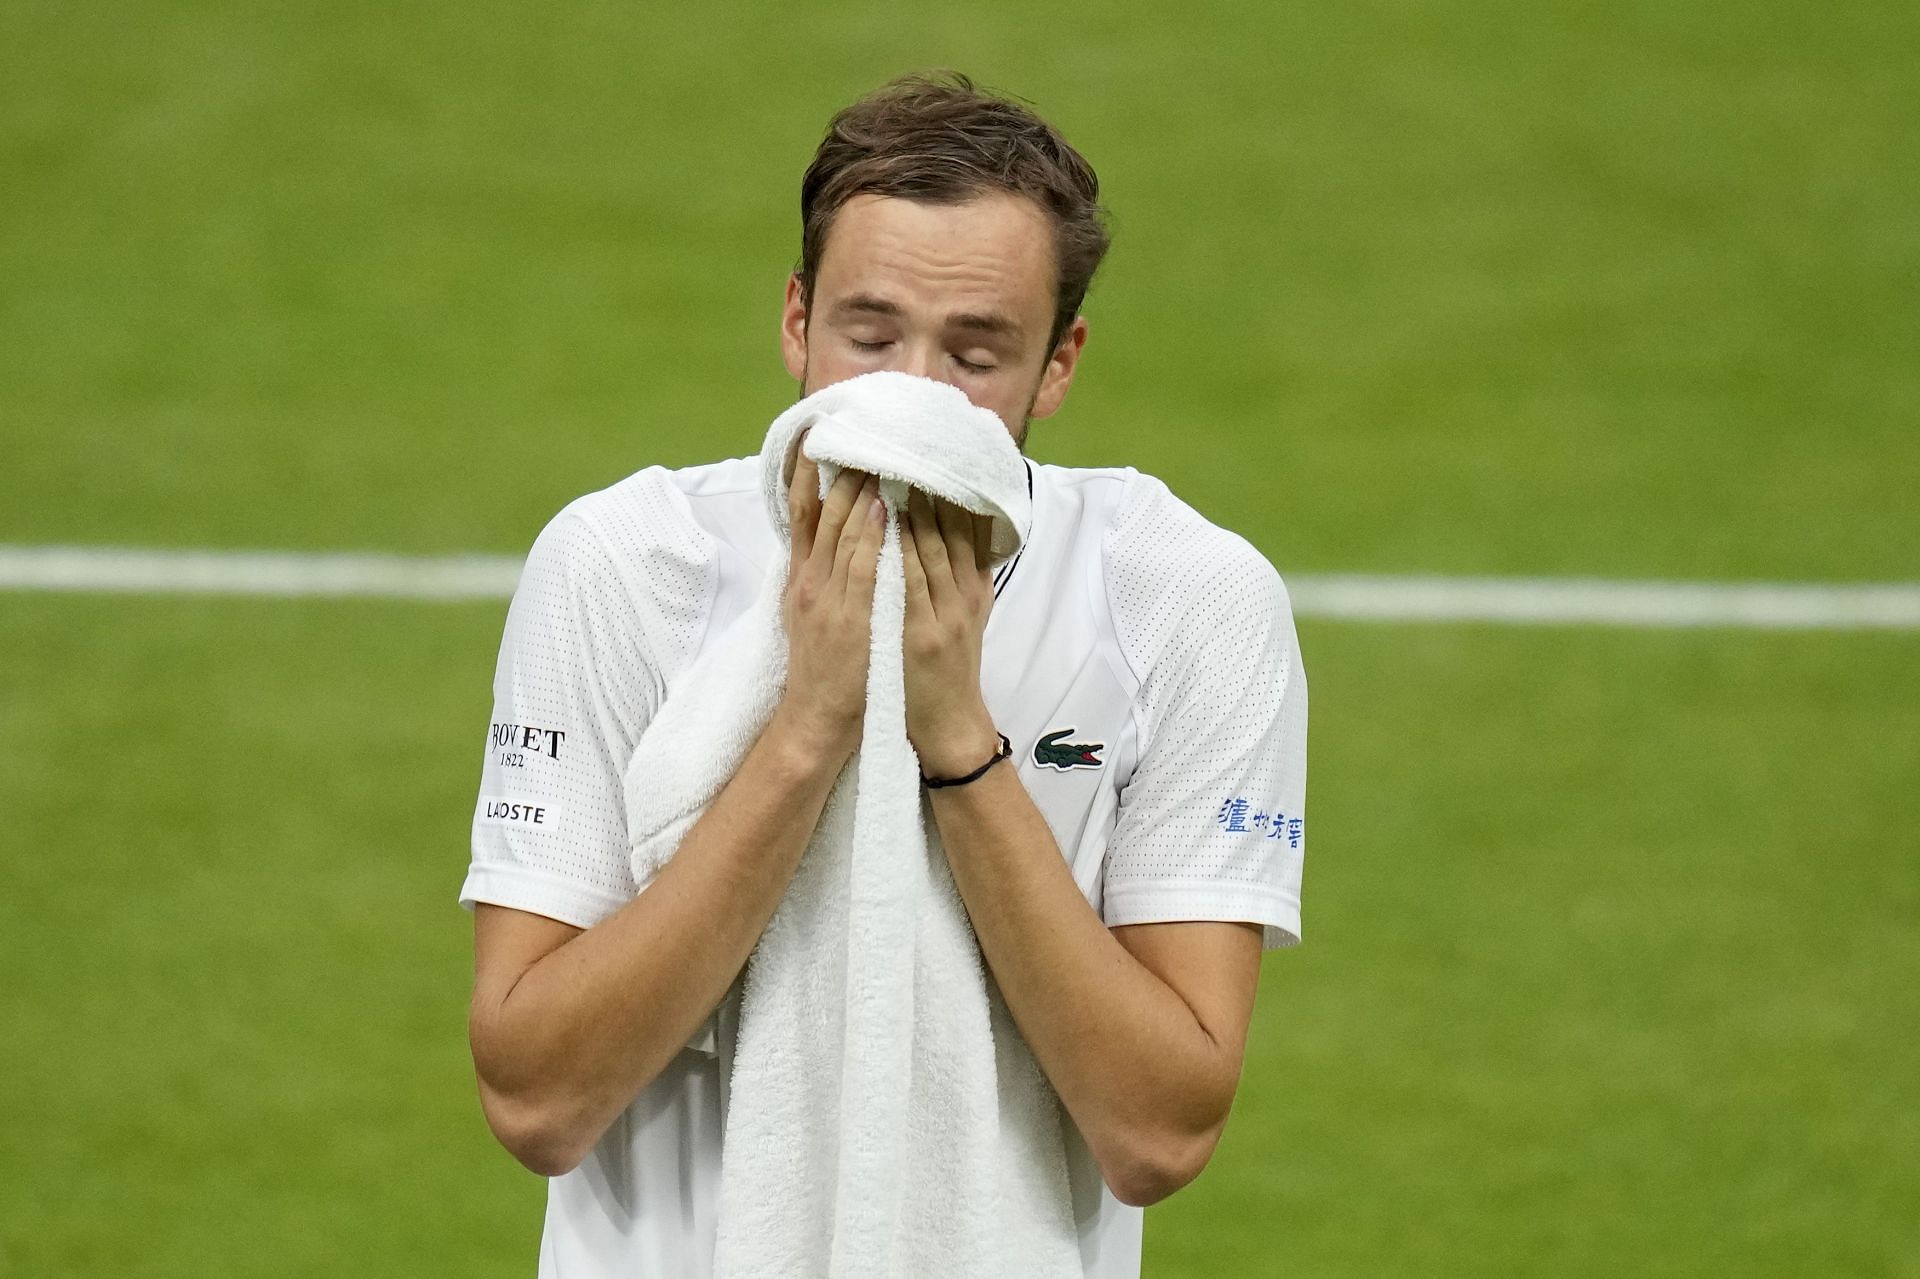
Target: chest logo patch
1051,752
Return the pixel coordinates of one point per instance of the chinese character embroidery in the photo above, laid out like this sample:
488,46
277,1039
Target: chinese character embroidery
1238,816
1288,828
1233,814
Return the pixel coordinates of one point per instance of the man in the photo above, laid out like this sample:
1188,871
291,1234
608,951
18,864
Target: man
1122,870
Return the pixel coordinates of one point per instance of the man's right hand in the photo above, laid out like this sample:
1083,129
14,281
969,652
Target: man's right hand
828,610
567,1026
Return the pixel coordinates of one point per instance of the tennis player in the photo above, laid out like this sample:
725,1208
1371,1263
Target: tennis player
1123,869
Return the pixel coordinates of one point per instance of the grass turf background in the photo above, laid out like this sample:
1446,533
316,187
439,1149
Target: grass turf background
1610,935
323,274
1639,1001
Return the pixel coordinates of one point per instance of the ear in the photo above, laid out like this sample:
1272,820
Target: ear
793,330
1058,375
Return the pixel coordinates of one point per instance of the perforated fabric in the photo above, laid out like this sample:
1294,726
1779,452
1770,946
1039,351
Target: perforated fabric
1141,660
1212,824
612,600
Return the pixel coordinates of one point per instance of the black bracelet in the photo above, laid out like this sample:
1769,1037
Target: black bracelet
1006,750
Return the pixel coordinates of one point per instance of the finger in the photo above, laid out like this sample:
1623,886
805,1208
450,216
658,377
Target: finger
956,530
866,552
915,573
855,528
803,505
833,518
803,490
982,541
933,551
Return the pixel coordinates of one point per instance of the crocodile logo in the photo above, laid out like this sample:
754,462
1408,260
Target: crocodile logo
1051,752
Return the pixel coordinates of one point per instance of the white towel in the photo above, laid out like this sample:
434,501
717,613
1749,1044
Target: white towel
885,1117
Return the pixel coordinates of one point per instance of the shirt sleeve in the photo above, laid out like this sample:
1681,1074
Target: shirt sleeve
1212,824
572,691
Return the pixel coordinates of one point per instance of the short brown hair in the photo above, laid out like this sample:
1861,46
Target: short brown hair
939,139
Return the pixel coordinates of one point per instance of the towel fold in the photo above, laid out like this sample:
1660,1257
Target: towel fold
885,1118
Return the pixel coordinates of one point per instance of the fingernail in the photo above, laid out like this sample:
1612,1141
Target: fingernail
878,510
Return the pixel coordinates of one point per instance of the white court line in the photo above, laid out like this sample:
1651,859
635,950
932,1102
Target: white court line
209,572
1592,601
1544,601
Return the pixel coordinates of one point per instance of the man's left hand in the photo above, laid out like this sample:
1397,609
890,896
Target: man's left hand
944,552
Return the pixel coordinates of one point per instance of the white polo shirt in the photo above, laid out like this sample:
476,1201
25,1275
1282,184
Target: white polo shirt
1142,661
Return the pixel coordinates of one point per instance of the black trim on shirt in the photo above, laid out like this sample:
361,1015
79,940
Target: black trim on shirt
1005,575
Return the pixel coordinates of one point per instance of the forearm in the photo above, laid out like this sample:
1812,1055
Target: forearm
574,1039
1144,1080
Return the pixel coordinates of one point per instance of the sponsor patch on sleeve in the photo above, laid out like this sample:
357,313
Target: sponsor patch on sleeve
527,814
1239,815
515,745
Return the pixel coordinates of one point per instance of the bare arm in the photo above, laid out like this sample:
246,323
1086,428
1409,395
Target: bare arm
1140,1029
567,1026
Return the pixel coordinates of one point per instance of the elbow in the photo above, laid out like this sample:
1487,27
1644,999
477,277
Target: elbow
530,1113
545,1156
538,1136
1146,1168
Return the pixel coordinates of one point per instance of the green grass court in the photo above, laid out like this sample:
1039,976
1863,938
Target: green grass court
1612,936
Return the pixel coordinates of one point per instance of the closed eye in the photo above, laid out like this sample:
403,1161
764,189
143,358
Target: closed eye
872,348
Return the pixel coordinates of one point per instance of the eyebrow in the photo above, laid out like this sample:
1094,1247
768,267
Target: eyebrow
988,323
976,321
867,304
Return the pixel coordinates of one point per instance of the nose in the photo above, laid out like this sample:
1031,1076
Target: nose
925,360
